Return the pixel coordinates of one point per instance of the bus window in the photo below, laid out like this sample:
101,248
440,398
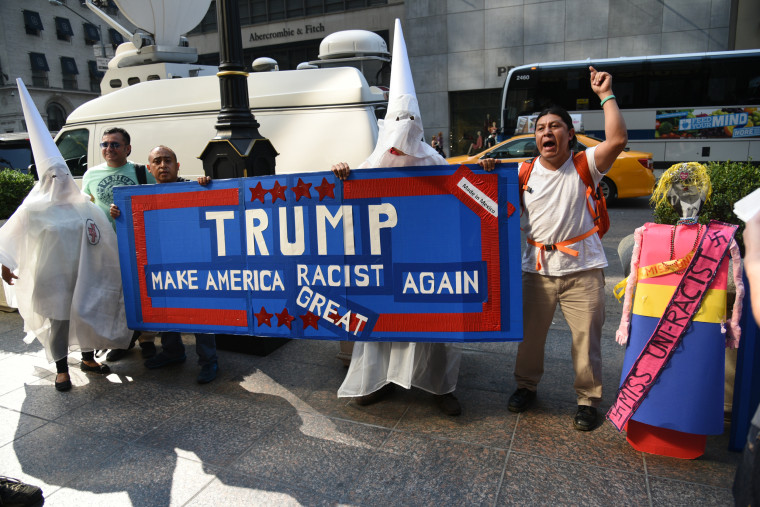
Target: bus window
676,84
730,82
73,147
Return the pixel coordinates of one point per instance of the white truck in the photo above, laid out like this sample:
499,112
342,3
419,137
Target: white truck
313,118
324,113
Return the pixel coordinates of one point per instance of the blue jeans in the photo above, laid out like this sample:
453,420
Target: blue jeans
205,346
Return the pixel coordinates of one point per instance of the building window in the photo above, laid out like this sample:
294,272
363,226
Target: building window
111,8
276,9
63,29
32,22
334,6
95,75
91,34
295,8
208,23
106,5
69,71
116,38
313,7
39,69
56,116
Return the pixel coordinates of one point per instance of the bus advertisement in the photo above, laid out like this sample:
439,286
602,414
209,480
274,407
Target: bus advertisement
698,107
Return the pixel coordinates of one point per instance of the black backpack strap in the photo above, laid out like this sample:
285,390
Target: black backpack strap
142,179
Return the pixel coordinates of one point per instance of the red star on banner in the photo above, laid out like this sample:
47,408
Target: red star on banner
285,319
309,319
301,190
263,317
258,192
326,189
278,191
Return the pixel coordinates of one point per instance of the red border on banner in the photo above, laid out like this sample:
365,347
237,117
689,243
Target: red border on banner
205,316
489,319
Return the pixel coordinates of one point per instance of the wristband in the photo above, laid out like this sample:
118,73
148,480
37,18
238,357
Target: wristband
605,99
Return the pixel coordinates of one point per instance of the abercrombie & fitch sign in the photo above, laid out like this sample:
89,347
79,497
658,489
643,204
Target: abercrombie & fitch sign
287,33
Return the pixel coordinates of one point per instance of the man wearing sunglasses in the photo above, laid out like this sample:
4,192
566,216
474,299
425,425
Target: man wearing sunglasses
100,180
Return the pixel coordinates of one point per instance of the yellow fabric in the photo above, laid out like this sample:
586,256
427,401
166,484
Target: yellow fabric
653,270
651,300
619,289
666,267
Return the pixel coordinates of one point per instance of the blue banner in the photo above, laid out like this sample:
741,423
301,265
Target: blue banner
429,254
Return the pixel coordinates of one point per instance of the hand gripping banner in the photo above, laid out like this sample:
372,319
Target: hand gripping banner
411,254
673,324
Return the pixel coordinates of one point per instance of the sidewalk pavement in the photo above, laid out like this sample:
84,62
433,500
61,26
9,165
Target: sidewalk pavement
270,430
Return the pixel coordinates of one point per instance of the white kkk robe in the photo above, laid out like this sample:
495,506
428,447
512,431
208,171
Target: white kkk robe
64,251
433,367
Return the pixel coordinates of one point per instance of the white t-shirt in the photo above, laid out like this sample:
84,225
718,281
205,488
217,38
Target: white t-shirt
555,211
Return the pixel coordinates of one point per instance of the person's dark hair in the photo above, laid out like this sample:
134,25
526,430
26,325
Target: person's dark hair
118,130
564,115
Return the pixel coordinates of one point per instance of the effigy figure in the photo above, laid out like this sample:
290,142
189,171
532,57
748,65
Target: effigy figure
674,323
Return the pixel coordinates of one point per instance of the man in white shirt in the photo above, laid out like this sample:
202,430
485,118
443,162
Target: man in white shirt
556,211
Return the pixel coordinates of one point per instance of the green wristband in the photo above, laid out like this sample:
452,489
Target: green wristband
605,99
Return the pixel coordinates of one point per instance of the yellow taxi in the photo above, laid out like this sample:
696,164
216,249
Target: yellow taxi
631,175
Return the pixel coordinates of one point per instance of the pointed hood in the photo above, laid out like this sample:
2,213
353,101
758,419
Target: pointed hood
402,127
56,183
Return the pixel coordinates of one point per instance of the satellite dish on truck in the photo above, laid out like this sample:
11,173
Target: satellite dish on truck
166,20
157,49
361,49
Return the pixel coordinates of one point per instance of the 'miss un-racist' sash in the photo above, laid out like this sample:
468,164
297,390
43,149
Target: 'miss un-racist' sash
685,302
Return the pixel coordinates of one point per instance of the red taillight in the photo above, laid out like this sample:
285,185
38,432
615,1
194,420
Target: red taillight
647,162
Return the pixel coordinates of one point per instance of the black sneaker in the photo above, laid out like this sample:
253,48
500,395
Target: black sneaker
375,396
116,354
521,400
448,404
585,418
15,492
208,373
147,349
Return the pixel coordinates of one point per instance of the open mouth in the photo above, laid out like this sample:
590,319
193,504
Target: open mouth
549,143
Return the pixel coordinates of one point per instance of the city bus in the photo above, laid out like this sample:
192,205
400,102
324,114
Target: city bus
696,107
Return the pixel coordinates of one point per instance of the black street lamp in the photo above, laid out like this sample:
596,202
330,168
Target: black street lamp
238,150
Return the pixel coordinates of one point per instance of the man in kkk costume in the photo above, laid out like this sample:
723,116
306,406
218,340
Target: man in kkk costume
376,368
60,252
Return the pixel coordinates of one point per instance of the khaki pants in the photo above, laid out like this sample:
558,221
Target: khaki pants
581,298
